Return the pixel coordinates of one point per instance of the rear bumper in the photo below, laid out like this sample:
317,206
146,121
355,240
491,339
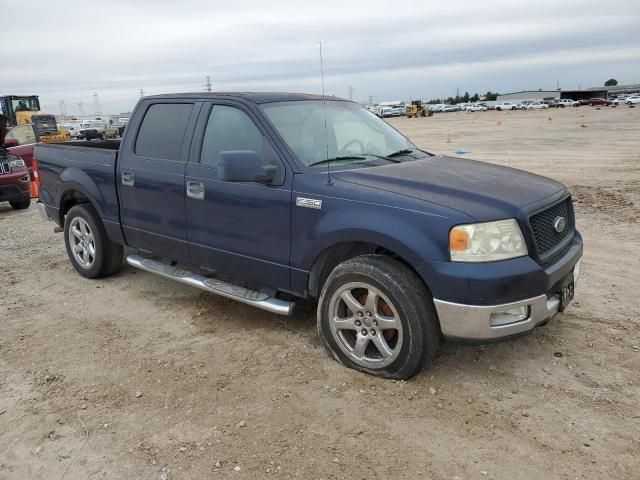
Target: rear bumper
42,211
486,322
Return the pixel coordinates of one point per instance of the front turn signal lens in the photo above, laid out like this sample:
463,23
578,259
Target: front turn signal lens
458,240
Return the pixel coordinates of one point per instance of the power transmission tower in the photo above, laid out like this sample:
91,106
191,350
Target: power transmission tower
207,85
350,92
141,93
62,107
370,99
81,108
96,104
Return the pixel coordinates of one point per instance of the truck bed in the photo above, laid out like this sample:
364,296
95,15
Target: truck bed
87,167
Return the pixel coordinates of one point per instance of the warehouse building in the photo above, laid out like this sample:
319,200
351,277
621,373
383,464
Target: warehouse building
548,95
533,95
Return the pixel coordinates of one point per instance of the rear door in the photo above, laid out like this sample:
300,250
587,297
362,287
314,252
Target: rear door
150,177
239,229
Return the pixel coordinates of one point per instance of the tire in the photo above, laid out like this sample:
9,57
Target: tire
106,258
21,204
403,303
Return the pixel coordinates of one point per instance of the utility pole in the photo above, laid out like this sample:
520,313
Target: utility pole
81,108
350,92
207,85
141,93
62,107
370,99
97,110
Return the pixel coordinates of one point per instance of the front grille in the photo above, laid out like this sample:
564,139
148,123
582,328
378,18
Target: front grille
547,239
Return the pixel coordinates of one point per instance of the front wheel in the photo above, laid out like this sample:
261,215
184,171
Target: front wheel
375,315
91,252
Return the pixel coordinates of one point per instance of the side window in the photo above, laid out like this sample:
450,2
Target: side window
24,134
162,130
229,129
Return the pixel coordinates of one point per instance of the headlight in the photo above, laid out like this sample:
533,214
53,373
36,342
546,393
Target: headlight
18,162
486,242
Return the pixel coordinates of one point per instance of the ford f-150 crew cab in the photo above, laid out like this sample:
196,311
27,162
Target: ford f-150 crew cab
265,197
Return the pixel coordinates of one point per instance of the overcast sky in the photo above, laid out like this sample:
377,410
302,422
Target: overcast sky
390,50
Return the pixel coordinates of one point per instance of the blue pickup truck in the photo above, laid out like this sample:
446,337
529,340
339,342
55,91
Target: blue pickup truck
268,197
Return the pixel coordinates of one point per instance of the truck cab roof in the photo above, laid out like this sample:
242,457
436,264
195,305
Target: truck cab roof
255,97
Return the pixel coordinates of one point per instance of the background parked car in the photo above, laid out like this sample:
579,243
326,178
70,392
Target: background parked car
536,106
567,102
99,130
476,107
598,101
506,106
633,100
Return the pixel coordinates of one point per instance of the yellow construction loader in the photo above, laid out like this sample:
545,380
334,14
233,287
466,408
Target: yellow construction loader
25,109
416,109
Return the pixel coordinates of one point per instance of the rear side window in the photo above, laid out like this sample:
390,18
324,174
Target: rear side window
229,129
162,130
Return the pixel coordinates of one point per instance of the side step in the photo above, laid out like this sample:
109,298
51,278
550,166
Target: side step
224,289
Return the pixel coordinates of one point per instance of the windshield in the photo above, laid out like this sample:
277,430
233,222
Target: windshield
354,135
25,104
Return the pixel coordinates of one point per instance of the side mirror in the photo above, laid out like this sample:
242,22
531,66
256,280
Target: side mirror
10,142
244,166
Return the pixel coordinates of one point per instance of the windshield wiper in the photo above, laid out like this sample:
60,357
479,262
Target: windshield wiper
343,157
404,151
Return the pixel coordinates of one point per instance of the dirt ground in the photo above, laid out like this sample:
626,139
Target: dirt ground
139,377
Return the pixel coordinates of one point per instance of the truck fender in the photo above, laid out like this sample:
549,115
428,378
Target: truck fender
74,179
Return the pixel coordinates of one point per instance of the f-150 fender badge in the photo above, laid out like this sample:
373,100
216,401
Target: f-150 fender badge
309,203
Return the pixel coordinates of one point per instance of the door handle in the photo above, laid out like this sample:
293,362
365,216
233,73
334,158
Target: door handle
195,190
128,179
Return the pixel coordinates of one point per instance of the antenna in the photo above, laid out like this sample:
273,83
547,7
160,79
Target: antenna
324,113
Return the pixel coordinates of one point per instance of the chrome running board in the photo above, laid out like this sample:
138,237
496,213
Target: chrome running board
244,295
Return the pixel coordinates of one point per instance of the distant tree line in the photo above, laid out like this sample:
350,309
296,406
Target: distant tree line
466,98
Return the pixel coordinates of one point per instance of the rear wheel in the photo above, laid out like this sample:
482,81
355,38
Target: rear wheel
91,252
21,204
375,315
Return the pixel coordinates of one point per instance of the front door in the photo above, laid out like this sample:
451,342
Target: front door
238,229
150,177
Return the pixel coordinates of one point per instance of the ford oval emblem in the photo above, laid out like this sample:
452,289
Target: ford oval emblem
559,224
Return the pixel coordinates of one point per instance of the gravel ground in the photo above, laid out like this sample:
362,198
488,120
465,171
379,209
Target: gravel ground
139,377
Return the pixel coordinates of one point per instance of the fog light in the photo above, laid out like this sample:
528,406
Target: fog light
509,315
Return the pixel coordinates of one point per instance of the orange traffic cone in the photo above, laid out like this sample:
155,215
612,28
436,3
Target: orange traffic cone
35,180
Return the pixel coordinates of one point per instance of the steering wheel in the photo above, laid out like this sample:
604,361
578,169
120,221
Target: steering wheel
355,141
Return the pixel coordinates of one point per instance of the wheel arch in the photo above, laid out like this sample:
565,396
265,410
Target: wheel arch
333,255
77,187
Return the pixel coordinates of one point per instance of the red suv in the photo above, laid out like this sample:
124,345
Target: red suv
15,181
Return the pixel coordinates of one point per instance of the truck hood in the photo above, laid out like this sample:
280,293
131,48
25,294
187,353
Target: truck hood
481,190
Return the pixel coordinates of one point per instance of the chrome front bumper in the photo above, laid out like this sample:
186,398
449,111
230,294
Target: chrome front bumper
486,322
